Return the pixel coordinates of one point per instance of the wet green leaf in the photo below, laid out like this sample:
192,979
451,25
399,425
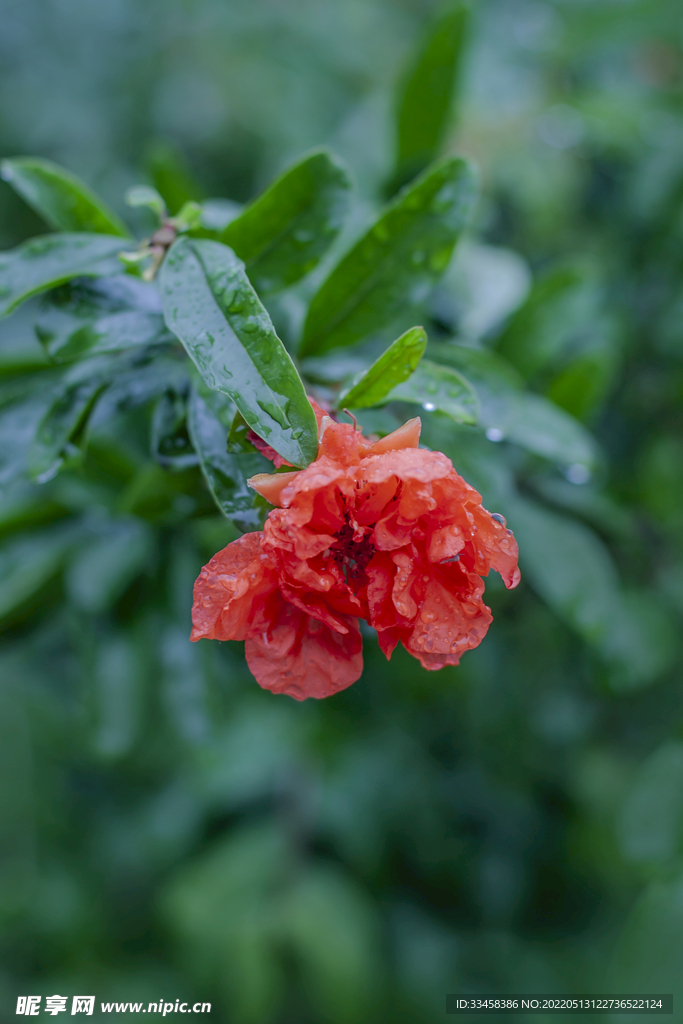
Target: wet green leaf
393,367
62,199
226,473
284,232
428,96
171,444
508,413
210,305
19,421
395,265
50,260
65,416
438,389
90,317
73,397
114,333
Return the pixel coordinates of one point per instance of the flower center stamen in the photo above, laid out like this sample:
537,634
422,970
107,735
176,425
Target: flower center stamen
352,556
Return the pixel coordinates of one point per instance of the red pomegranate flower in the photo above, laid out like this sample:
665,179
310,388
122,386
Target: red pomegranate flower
387,532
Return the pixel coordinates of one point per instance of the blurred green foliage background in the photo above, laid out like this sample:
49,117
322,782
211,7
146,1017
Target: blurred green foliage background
170,830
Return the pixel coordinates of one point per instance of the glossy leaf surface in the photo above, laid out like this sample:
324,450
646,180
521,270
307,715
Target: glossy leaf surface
428,97
50,260
395,265
393,367
89,317
62,420
438,389
64,201
210,305
510,413
283,233
171,444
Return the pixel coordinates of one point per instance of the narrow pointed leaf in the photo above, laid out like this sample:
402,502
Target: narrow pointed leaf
393,367
427,96
211,306
226,473
284,232
50,260
62,200
397,262
438,389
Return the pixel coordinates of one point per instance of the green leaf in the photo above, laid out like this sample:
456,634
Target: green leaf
72,400
137,382
569,566
19,421
226,473
171,444
535,423
215,215
283,233
65,416
114,333
427,95
88,317
211,306
393,367
170,176
396,263
560,308
61,199
50,260
144,195
509,413
438,389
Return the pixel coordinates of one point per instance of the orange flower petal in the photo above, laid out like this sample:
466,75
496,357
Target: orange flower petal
229,588
406,436
271,485
303,657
